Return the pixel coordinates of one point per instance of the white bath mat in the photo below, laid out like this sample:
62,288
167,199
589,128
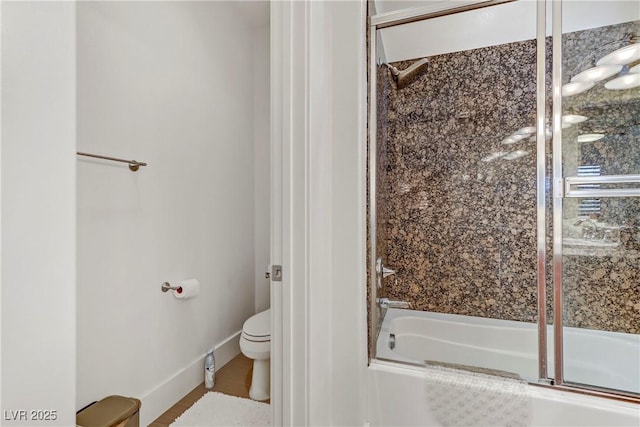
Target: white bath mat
217,409
465,398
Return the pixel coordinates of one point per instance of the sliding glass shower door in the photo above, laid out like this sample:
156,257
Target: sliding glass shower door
504,172
597,167
453,159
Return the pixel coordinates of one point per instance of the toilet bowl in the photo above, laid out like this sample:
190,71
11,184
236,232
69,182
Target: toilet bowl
255,343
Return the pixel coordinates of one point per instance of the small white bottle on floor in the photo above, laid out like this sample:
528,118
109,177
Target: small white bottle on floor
209,370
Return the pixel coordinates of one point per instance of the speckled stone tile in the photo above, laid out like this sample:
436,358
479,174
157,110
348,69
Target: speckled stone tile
449,212
461,231
602,287
603,290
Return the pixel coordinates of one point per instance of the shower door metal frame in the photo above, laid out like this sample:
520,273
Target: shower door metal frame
396,18
562,188
557,185
541,179
373,164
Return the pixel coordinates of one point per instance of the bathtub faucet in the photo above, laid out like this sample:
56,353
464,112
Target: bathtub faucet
387,303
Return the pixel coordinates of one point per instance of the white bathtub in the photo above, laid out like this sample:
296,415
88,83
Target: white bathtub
398,396
605,359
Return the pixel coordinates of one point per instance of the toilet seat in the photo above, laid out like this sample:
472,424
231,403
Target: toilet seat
257,328
254,338
255,343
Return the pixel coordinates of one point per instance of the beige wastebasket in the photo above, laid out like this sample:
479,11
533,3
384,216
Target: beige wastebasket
112,411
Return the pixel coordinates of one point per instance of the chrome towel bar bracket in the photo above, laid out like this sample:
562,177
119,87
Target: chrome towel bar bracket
134,165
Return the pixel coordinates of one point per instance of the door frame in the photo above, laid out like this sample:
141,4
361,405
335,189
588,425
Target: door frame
318,141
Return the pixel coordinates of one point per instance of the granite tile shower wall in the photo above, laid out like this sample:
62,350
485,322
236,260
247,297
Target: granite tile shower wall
461,230
602,287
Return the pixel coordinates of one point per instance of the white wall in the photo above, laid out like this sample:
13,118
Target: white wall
490,26
38,210
262,163
171,84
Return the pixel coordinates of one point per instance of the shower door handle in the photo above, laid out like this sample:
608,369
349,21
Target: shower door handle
591,186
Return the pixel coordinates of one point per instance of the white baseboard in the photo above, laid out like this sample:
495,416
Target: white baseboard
174,388
226,350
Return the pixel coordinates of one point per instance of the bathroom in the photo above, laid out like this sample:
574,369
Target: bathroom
184,88
319,356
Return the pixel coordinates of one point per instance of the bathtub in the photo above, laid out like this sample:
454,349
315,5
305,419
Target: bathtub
606,359
398,396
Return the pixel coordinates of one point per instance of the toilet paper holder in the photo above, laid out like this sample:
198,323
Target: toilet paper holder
166,286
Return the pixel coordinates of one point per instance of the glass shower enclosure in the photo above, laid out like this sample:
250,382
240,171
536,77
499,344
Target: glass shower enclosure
504,189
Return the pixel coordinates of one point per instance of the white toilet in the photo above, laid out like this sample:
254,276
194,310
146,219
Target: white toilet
255,343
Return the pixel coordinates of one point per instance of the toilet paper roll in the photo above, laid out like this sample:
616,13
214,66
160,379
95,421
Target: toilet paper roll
188,289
